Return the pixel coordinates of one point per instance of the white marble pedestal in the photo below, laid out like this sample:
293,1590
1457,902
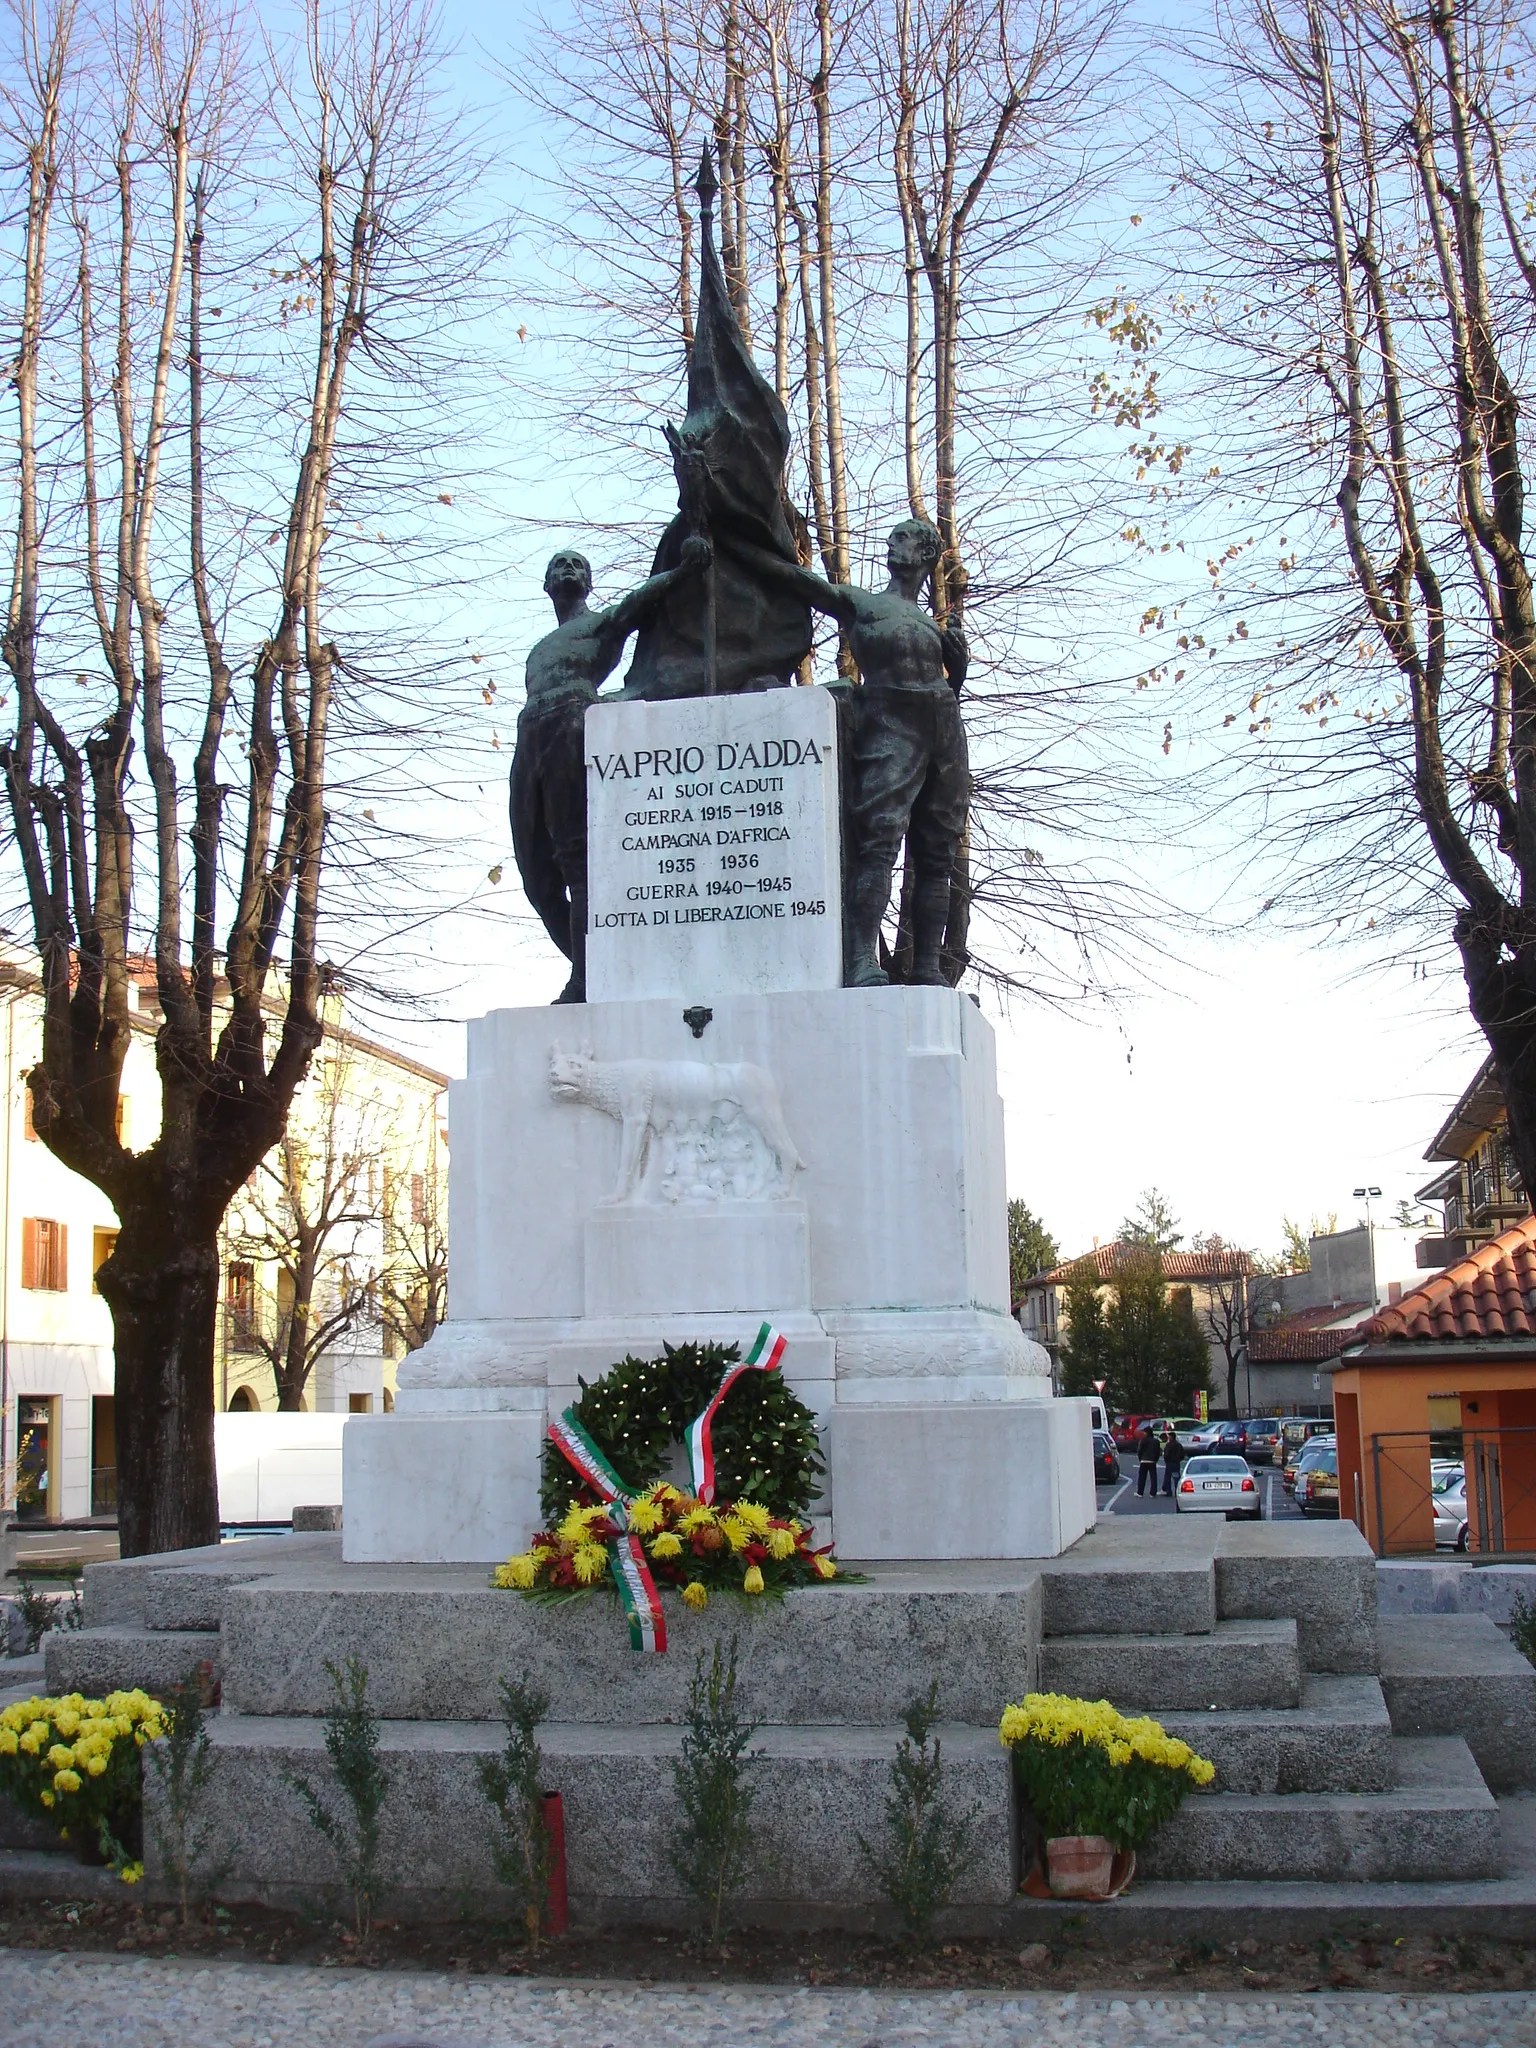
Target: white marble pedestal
833,1161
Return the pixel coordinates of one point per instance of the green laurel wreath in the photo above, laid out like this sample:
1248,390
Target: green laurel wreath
765,1442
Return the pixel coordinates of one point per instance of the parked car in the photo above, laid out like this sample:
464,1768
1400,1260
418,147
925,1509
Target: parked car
1127,1429
1106,1459
1297,1446
1262,1439
1448,1496
1317,1479
1189,1430
1217,1483
1201,1435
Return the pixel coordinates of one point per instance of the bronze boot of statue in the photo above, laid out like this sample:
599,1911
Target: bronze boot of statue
575,990
930,919
866,891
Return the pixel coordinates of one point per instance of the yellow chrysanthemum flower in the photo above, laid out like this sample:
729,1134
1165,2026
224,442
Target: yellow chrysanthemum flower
1059,1720
7,1742
131,1873
666,1545
645,1516
573,1529
781,1544
67,1722
737,1534
60,1755
825,1568
95,1766
589,1563
518,1573
755,1517
66,1781
46,1798
697,1517
695,1596
753,1582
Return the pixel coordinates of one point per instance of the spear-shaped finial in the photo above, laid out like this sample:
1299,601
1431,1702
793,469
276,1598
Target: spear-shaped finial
706,184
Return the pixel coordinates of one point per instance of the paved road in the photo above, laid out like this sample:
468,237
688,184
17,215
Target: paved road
1123,1499
106,2002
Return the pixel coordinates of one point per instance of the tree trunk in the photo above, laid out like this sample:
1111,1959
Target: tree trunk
162,1285
1502,997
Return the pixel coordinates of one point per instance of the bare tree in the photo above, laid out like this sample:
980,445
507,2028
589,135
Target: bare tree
1224,1312
173,177
413,1285
312,1214
1354,316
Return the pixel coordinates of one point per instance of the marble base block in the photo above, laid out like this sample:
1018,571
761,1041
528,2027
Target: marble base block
735,1255
829,1160
966,1479
447,1489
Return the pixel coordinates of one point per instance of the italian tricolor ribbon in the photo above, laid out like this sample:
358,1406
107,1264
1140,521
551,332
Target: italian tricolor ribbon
626,1554
763,1357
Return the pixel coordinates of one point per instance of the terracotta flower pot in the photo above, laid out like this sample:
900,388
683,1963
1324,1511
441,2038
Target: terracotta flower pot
1087,1867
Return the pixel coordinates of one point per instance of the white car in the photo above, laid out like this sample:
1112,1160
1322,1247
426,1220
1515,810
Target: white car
1448,1496
1213,1484
1202,1437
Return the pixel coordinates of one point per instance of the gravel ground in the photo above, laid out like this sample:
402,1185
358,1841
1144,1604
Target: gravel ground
96,2002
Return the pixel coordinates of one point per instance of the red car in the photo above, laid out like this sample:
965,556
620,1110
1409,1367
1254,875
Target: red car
1127,1429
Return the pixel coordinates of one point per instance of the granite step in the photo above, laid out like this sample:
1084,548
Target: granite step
1458,1674
1239,1664
1338,1739
1438,1823
817,1791
437,1647
1115,1581
101,1660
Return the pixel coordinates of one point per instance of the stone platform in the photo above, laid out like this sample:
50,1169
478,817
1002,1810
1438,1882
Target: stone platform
1257,1644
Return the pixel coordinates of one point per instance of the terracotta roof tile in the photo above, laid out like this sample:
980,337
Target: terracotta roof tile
1300,1347
1488,1296
1177,1266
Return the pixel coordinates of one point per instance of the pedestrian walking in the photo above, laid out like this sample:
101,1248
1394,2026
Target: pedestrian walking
1148,1451
1173,1457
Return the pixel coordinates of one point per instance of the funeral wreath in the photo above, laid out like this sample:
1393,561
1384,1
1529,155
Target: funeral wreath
738,1525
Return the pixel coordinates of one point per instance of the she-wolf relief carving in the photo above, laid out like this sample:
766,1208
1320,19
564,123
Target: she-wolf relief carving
691,1131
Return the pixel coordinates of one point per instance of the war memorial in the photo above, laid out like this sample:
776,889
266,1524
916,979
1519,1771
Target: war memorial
734,1138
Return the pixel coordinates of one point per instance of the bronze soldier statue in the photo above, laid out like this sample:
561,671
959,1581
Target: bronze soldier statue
906,772
549,779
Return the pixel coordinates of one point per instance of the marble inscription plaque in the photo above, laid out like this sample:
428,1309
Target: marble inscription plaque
713,847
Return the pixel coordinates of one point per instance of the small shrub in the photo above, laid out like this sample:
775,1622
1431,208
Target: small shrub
352,1745
40,1611
712,1850
183,1766
512,1782
1522,1628
926,1850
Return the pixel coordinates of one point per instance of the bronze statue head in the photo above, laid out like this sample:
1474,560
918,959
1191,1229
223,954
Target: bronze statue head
567,567
914,542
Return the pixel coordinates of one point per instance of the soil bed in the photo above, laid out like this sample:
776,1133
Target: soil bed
1080,1961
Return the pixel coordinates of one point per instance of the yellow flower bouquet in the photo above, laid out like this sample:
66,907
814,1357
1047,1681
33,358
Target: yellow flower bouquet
1088,1770
696,1546
77,1761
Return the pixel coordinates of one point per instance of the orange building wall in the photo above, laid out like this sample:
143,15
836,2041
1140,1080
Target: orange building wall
1390,1400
